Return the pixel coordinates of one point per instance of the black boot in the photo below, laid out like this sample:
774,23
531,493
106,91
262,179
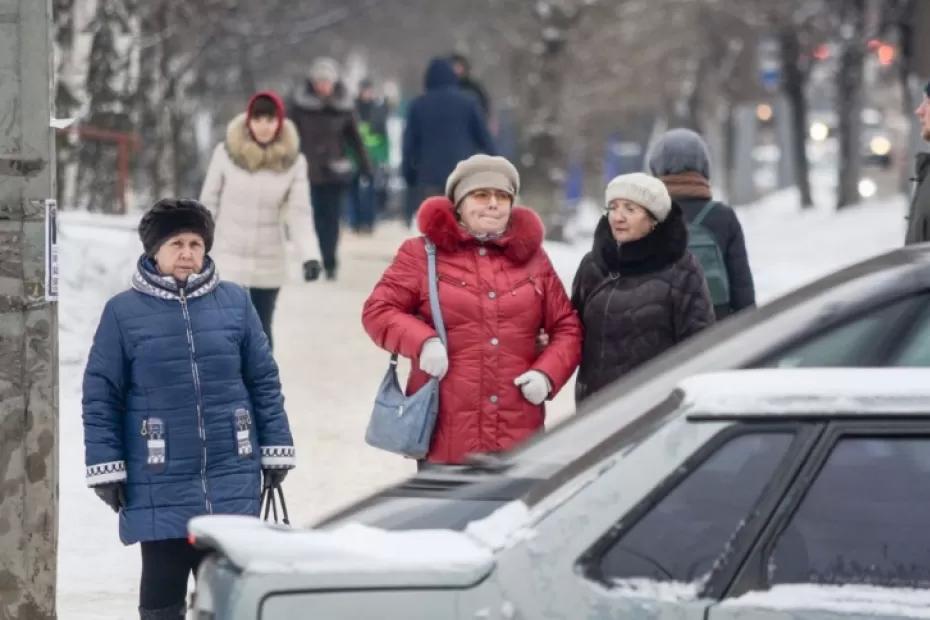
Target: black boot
175,612
331,274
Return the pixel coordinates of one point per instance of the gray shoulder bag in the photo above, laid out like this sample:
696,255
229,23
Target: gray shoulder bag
404,424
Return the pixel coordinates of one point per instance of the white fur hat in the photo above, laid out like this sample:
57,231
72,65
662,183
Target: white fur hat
646,191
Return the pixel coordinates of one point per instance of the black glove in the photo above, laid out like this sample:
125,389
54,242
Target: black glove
312,270
113,493
273,477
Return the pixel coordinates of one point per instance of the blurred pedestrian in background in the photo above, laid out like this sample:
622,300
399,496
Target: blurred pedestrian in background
256,188
366,200
445,125
469,84
680,158
324,115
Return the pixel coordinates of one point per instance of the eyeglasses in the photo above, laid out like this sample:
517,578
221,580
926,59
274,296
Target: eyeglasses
484,196
623,206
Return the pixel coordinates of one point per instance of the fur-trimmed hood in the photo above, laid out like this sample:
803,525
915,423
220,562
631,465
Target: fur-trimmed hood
520,242
658,250
248,154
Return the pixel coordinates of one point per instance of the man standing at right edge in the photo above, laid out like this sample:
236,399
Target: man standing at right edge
918,219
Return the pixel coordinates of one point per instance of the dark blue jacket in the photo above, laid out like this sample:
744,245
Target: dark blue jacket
182,403
444,126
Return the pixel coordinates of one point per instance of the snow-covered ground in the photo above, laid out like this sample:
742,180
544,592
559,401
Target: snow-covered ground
330,370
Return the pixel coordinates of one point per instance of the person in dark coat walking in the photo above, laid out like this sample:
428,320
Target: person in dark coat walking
444,126
182,407
681,159
325,118
638,291
918,219
469,84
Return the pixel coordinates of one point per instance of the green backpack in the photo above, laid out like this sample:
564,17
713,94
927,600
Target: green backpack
703,245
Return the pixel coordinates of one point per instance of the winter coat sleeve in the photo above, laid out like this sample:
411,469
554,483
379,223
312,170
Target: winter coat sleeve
918,220
260,373
563,354
742,289
104,402
580,284
296,212
389,315
480,130
354,138
692,309
410,147
213,181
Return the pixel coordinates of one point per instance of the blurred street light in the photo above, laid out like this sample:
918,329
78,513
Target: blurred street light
880,145
764,112
867,188
819,131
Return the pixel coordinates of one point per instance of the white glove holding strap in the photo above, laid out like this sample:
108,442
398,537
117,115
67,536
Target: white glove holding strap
534,385
433,358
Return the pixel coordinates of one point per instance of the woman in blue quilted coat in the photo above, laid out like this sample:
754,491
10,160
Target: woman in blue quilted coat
183,412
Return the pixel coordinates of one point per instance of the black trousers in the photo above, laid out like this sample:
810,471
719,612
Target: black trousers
264,300
327,199
166,564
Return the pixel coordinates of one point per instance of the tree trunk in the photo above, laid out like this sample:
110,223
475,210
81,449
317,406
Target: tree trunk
66,102
904,25
794,80
849,102
28,320
544,150
109,101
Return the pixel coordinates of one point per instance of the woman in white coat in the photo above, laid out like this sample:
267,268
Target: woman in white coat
257,189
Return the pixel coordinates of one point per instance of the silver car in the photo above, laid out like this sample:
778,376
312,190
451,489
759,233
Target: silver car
756,493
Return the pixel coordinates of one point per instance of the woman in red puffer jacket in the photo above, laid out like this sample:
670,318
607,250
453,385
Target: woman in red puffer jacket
497,290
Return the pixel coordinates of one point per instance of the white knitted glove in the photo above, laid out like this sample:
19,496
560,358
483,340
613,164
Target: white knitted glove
534,385
433,358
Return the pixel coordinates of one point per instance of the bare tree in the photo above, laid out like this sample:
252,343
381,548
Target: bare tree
849,78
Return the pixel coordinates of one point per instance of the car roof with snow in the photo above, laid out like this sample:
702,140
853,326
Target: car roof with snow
820,392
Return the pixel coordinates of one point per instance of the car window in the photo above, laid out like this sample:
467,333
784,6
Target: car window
863,520
915,351
680,538
853,343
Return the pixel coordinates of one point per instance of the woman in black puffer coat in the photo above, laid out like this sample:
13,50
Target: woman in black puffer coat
638,291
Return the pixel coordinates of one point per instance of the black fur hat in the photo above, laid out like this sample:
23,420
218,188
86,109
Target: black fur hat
171,216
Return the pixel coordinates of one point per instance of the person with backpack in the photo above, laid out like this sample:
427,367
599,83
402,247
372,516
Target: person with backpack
639,291
680,159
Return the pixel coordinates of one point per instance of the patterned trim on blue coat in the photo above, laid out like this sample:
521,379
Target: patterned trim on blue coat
104,473
279,457
147,280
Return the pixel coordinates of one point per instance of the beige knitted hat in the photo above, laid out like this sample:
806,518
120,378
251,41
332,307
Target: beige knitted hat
646,191
479,172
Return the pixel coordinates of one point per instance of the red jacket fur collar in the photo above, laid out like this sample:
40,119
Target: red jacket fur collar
522,239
